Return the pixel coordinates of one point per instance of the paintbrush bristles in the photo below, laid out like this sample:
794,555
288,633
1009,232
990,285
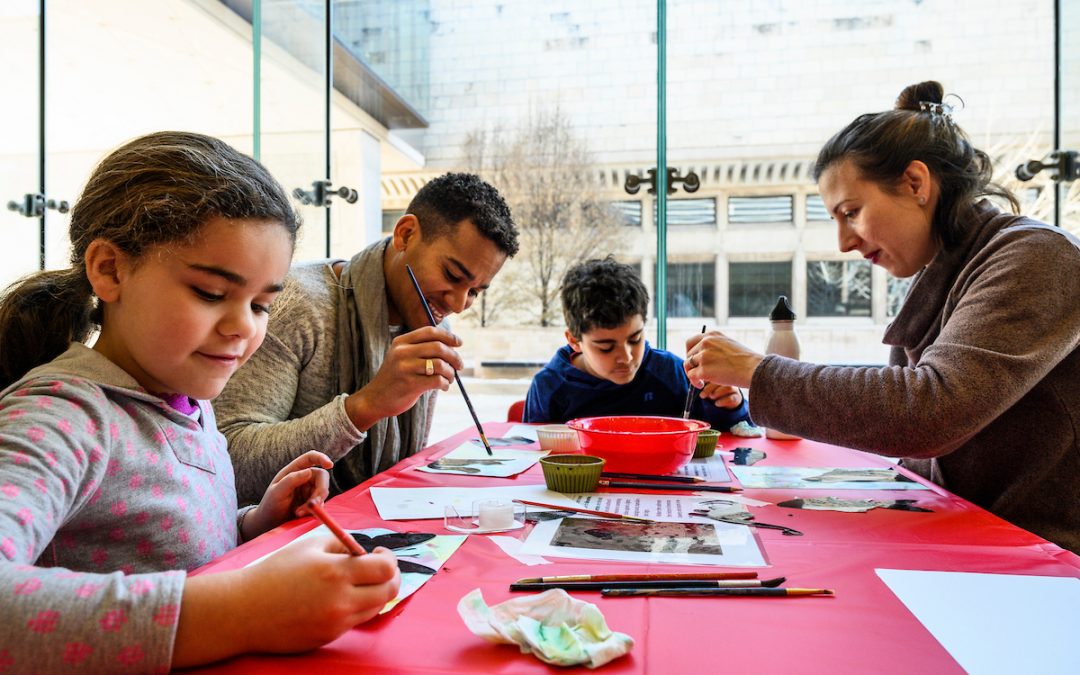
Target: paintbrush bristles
690,392
689,402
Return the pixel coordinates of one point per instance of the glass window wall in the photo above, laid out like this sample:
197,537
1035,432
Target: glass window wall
838,288
20,161
420,87
691,289
754,286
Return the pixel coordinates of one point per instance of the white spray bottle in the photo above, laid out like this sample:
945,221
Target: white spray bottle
784,342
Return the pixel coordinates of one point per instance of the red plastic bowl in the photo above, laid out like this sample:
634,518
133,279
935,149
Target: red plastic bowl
629,444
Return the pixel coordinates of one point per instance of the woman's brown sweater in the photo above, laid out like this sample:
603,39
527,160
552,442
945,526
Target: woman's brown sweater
983,392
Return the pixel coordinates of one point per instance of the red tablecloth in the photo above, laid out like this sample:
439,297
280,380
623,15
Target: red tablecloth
865,628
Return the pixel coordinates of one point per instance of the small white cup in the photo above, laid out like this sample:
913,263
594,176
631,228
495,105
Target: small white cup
557,439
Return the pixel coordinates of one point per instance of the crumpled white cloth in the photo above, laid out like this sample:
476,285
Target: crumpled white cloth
746,430
552,626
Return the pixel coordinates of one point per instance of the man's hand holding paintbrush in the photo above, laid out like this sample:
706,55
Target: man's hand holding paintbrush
464,394
417,362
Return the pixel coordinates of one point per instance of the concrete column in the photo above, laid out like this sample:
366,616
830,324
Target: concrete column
799,288
721,267
798,284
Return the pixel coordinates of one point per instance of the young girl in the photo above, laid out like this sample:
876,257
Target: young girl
113,476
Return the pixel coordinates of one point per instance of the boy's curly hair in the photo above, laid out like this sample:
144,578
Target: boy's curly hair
602,293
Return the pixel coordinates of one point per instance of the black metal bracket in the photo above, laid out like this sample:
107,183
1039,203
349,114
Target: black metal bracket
321,191
33,205
690,182
1065,165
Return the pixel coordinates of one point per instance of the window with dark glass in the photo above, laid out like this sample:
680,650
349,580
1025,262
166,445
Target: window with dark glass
691,289
754,286
895,293
689,212
751,210
838,288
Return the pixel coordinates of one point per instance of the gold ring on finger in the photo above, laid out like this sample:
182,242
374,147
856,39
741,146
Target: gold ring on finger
429,367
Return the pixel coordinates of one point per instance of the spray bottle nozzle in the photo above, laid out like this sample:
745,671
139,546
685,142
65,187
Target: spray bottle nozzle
782,311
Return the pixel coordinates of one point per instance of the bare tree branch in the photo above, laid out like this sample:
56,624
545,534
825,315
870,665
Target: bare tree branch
546,173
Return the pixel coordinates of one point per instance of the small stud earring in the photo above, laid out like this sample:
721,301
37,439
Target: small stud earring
922,201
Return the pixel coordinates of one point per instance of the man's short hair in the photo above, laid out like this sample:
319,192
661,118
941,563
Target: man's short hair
453,197
602,293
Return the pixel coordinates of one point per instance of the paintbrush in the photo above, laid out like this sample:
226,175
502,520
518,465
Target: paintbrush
643,585
661,486
651,476
656,576
577,509
691,392
457,378
325,518
692,592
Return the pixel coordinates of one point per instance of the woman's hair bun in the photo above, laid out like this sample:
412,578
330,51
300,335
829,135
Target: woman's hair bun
913,94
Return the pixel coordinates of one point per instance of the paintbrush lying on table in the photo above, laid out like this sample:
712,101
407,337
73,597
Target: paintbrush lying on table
653,476
654,576
578,509
661,486
694,592
697,583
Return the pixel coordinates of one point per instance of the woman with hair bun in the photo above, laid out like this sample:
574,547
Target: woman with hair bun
982,394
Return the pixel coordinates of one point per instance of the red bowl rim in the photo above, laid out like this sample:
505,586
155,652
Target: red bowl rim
575,424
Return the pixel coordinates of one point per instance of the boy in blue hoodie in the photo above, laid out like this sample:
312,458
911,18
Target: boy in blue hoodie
608,368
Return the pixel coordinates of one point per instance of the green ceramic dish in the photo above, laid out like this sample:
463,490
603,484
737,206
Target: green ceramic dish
571,473
706,443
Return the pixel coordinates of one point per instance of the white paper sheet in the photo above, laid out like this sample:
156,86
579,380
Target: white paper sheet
732,545
712,469
425,503
522,430
795,477
665,508
996,623
512,548
469,459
